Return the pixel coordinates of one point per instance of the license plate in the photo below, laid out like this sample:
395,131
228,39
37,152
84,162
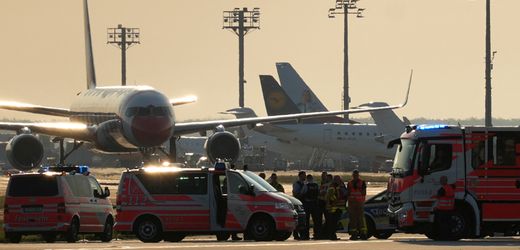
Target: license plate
32,209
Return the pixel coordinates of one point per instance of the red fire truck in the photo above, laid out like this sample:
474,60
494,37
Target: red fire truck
157,203
481,164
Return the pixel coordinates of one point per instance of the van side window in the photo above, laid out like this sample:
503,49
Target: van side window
94,185
235,183
79,185
174,183
504,146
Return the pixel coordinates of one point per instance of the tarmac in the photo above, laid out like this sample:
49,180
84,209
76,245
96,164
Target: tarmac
398,241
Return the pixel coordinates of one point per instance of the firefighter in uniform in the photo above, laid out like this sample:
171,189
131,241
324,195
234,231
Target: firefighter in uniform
445,205
322,211
335,206
310,192
357,191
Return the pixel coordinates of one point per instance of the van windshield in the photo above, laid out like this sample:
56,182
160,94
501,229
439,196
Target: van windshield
33,185
249,180
260,181
403,161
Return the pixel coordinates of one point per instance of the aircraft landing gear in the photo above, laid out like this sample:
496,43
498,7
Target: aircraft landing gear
63,155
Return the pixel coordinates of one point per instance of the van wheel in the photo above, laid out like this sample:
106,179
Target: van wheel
262,228
13,237
108,231
49,237
282,236
72,234
174,237
148,229
222,236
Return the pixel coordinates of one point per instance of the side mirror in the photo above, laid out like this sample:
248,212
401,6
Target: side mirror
252,189
97,194
107,192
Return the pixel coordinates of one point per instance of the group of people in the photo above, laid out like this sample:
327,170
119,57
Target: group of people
329,200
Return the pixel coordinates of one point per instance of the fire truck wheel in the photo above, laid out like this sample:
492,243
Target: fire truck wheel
174,237
13,237
72,234
108,231
454,227
282,236
49,237
148,229
222,236
262,228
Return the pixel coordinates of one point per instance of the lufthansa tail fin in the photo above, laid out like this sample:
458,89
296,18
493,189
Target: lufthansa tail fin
277,102
297,89
89,56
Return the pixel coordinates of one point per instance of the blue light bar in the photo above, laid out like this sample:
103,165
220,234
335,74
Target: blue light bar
220,166
80,169
431,126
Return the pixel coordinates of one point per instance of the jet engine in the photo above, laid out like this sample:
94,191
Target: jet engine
222,146
24,152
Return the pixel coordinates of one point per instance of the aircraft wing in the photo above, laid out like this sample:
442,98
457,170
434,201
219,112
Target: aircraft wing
183,100
78,131
192,127
36,109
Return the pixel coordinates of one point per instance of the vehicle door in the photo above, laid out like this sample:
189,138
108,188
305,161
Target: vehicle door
99,205
436,158
82,202
240,193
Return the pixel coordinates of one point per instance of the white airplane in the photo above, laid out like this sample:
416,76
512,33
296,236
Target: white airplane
360,140
126,119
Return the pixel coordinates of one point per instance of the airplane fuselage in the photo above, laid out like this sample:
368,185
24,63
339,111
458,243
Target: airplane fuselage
131,116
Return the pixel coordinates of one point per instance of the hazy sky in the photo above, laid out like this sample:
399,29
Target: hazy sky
185,51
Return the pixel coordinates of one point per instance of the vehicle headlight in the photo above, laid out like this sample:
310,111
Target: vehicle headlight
283,205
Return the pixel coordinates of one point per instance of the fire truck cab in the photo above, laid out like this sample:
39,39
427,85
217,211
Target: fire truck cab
157,203
482,164
59,201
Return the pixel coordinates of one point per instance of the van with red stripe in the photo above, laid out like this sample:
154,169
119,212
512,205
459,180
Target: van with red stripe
56,204
482,166
169,203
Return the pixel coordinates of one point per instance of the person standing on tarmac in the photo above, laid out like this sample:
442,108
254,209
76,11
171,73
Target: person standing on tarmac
445,205
357,191
318,222
273,180
336,200
310,204
297,189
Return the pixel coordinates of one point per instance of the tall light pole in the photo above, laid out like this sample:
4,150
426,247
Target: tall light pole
489,66
123,38
345,8
241,21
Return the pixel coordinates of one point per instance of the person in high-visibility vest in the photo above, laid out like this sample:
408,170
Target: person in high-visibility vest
326,180
335,205
445,205
357,191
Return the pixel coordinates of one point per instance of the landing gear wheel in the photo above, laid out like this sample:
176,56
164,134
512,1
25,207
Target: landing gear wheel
148,230
262,228
72,234
13,237
49,237
174,237
108,231
282,236
222,236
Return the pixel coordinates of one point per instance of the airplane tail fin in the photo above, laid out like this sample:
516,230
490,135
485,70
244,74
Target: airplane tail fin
387,120
297,89
277,102
89,56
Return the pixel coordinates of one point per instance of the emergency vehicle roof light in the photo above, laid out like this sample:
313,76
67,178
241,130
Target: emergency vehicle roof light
79,169
431,126
220,166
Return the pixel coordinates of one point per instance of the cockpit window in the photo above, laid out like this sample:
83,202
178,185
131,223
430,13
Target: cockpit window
147,111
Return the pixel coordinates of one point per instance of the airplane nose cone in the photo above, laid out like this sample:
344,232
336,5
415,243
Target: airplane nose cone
151,131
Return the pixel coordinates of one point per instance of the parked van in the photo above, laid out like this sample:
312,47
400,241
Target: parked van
157,203
56,203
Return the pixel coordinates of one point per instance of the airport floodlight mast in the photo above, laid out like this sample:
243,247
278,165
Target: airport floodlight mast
489,66
241,21
345,8
123,38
